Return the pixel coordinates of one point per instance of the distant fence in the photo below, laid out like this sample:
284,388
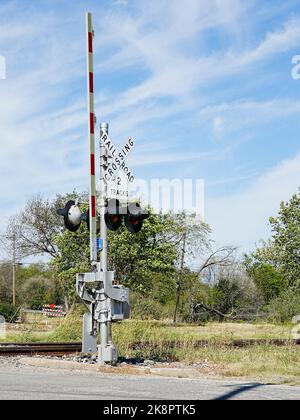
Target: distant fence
53,311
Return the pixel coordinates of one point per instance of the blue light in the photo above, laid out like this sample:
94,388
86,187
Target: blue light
99,244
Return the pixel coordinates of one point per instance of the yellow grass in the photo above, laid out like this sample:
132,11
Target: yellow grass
163,341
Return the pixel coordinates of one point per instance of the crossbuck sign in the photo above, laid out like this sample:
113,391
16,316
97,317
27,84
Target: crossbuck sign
117,159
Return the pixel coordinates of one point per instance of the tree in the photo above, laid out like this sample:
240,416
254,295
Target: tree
6,282
72,257
139,259
36,285
286,237
282,252
192,292
233,293
216,260
284,307
36,226
8,311
191,237
268,280
229,292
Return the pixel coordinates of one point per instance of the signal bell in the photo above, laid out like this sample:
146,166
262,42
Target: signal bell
72,216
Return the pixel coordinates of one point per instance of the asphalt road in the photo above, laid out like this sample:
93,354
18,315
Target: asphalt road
47,384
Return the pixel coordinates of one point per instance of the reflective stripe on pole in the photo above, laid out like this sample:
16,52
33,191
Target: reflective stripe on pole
90,82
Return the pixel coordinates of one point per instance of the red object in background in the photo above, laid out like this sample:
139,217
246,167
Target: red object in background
53,311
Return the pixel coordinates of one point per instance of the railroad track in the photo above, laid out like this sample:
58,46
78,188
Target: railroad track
57,349
60,349
208,343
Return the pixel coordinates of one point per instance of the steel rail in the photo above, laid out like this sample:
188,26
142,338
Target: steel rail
9,349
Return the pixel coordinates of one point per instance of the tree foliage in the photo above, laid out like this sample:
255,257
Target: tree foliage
191,238
171,265
286,237
35,285
234,293
268,280
36,226
72,257
139,260
275,265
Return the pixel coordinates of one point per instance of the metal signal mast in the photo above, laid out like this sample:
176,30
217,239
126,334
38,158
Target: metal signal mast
91,111
106,301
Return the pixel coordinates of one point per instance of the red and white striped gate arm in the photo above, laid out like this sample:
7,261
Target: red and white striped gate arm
90,82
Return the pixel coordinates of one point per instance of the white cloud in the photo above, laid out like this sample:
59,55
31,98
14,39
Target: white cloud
218,124
242,219
43,116
174,73
120,2
277,42
227,118
171,157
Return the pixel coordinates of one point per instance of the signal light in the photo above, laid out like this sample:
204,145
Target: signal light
113,215
135,217
72,216
132,213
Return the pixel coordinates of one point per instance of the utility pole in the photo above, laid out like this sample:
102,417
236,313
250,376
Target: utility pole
13,265
105,324
103,197
14,270
179,281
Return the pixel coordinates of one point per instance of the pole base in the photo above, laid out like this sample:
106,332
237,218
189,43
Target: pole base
89,341
107,354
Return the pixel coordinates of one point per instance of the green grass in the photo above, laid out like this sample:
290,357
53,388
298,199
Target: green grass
160,341
134,331
267,363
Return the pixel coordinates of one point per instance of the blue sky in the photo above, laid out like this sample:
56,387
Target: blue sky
203,86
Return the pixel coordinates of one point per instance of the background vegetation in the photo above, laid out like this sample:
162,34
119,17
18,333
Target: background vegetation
172,266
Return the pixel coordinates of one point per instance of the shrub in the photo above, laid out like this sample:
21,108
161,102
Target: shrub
284,307
70,328
147,309
7,311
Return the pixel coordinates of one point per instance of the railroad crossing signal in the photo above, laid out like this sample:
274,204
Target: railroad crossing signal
108,301
117,162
